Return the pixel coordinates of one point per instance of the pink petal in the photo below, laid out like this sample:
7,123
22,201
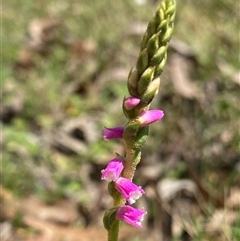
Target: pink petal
113,133
131,215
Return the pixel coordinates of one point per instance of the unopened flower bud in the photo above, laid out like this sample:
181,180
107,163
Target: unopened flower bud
150,116
131,102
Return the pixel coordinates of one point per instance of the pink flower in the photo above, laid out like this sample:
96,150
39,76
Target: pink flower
131,215
113,170
131,102
150,116
113,133
128,189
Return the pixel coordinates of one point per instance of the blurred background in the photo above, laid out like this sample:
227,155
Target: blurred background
64,69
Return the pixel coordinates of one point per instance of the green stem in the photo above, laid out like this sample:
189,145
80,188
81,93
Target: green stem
113,232
113,229
131,161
